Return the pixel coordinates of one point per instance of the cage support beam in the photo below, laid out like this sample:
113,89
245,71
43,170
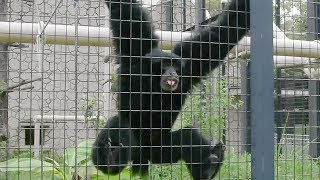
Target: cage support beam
261,89
313,9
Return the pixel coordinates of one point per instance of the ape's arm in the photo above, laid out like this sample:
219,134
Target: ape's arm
211,45
131,28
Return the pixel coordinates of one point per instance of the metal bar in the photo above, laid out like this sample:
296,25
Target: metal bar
200,12
311,20
261,88
277,12
245,134
314,118
184,14
169,15
314,99
278,115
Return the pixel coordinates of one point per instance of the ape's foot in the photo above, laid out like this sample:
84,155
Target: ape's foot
109,157
113,151
213,162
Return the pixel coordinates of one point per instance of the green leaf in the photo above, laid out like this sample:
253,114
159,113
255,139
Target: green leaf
25,164
80,154
3,87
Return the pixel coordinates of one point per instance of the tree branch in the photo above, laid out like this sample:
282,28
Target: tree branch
23,82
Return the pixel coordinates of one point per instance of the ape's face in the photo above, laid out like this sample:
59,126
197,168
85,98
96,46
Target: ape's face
169,79
165,70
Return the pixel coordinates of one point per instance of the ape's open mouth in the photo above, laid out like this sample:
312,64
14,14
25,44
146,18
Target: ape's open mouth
172,82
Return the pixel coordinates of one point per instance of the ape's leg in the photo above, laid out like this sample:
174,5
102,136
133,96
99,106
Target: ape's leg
203,159
112,149
140,162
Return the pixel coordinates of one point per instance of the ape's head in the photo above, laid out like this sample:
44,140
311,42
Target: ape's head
166,70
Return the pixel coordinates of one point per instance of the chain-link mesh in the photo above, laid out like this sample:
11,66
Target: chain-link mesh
56,96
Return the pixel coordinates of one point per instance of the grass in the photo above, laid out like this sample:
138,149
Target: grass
238,166
292,165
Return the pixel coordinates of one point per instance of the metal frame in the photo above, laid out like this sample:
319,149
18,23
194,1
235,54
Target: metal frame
261,88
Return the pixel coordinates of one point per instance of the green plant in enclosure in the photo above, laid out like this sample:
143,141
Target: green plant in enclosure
74,164
92,116
3,88
209,105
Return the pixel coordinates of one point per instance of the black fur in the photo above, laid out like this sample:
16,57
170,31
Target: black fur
141,132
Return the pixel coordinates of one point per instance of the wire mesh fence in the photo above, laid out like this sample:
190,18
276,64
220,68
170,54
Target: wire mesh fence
81,98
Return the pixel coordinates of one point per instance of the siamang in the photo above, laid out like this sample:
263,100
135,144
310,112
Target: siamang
153,86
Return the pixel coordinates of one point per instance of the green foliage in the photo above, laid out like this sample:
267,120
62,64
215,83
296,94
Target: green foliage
115,83
175,171
209,106
214,6
3,87
92,116
294,17
88,106
295,165
3,150
76,162
25,164
236,166
65,171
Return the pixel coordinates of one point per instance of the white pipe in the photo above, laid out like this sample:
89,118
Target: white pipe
277,33
288,47
11,32
54,118
292,93
37,137
291,61
313,73
285,61
55,34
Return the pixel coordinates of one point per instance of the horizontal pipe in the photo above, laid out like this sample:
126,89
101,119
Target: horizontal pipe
54,118
13,32
285,61
287,47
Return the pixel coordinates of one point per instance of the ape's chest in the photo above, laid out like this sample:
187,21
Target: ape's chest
151,101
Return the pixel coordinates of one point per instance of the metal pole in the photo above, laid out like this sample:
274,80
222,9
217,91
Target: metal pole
184,14
314,91
277,12
313,11
200,12
261,88
278,108
169,15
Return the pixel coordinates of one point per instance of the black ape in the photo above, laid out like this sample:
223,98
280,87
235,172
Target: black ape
153,86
